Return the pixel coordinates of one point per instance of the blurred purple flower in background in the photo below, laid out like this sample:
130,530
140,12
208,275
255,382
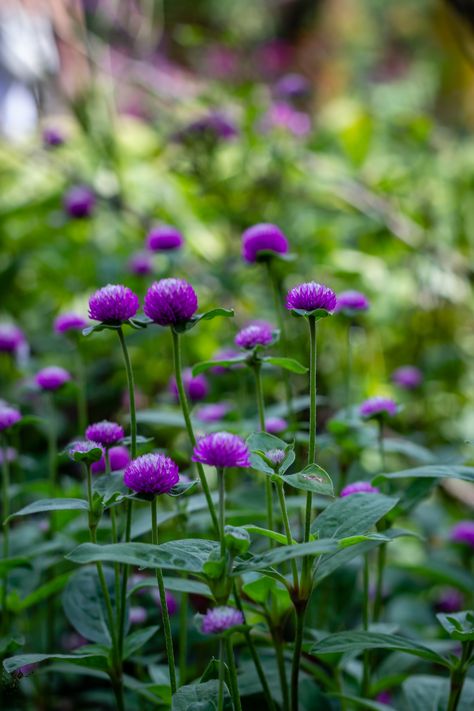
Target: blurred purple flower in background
140,264
259,333
52,137
275,425
359,487
52,377
9,416
463,532
292,86
284,116
221,449
263,237
119,457
69,321
212,412
407,377
220,619
351,302
79,201
164,238
196,387
378,406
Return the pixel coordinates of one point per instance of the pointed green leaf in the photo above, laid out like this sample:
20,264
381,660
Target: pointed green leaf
52,505
431,471
312,478
287,364
223,363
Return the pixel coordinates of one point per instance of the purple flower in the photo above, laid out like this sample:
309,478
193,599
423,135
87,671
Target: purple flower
196,387
292,86
9,416
378,407
213,127
113,303
359,487
83,447
407,377
140,264
256,334
311,296
164,238
212,412
450,600
138,615
221,449
52,137
52,378
263,237
351,302
119,457
275,425
284,116
69,322
224,354
151,474
105,432
171,602
276,456
170,301
11,337
220,619
79,201
463,532
385,697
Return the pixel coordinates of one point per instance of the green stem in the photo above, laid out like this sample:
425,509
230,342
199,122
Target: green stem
221,483
286,524
312,418
164,605
234,686
81,392
382,550
183,401
126,568
113,525
6,527
277,643
131,393
278,302
52,449
220,697
365,615
295,667
349,371
256,367
183,638
458,676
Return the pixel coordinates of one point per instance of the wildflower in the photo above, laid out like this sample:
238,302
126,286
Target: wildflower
11,338
263,237
164,238
113,303
220,619
256,334
463,532
359,487
351,302
105,432
79,202
275,425
9,416
140,264
69,321
284,116
170,301
292,86
407,377
276,456
85,447
378,407
196,387
221,449
151,474
311,296
212,412
119,457
52,138
52,378
171,602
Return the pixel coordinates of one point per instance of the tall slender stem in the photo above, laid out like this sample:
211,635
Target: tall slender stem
349,371
365,619
286,524
277,643
312,417
295,668
234,686
220,696
164,604
6,526
261,420
52,447
183,401
382,550
183,638
221,483
458,676
81,391
278,302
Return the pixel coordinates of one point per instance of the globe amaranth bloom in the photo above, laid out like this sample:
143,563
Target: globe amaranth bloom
220,619
449,600
359,487
170,301
256,334
463,532
119,457
310,296
221,449
378,407
212,412
9,416
79,201
113,303
276,456
213,127
351,302
164,238
52,378
11,338
52,137
151,474
407,377
69,321
275,425
106,433
261,238
292,86
83,447
140,264
196,387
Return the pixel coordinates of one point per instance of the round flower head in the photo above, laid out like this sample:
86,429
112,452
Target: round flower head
196,387
311,296
11,338
450,600
463,532
140,264
213,412
52,378
119,457
170,301
276,456
292,86
275,425
283,116
220,619
257,334
212,127
351,302
359,487
52,137
378,407
105,432
113,303
221,449
69,322
9,416
164,239
83,447
407,377
151,474
79,202
263,237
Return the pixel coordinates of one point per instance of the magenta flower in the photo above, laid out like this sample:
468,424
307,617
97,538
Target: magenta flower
359,487
84,447
311,296
196,387
9,416
220,619
69,321
292,86
256,334
79,202
105,432
463,532
212,412
276,456
11,338
151,474
119,457
171,602
378,407
140,264
351,302
407,377
213,127
52,378
284,116
263,237
52,137
170,301
221,449
113,304
275,425
164,238
450,600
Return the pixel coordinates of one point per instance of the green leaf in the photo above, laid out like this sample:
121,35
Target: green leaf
93,660
409,449
183,585
366,704
200,697
137,639
41,593
110,487
84,604
7,564
261,443
91,456
52,505
287,364
284,553
351,515
312,478
206,316
430,693
430,471
223,363
182,487
274,535
439,571
316,313
459,625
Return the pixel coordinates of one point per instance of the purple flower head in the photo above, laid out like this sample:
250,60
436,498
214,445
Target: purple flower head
385,697
359,487
79,202
52,378
450,600
140,264
351,302
221,449
212,412
275,425
263,237
164,238
69,322
11,338
151,474
463,532
224,354
292,86
52,137
282,115
170,301
276,456
83,447
9,416
138,615
105,432
196,387
378,407
171,602
119,457
256,334
311,296
213,127
220,619
113,303
407,377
